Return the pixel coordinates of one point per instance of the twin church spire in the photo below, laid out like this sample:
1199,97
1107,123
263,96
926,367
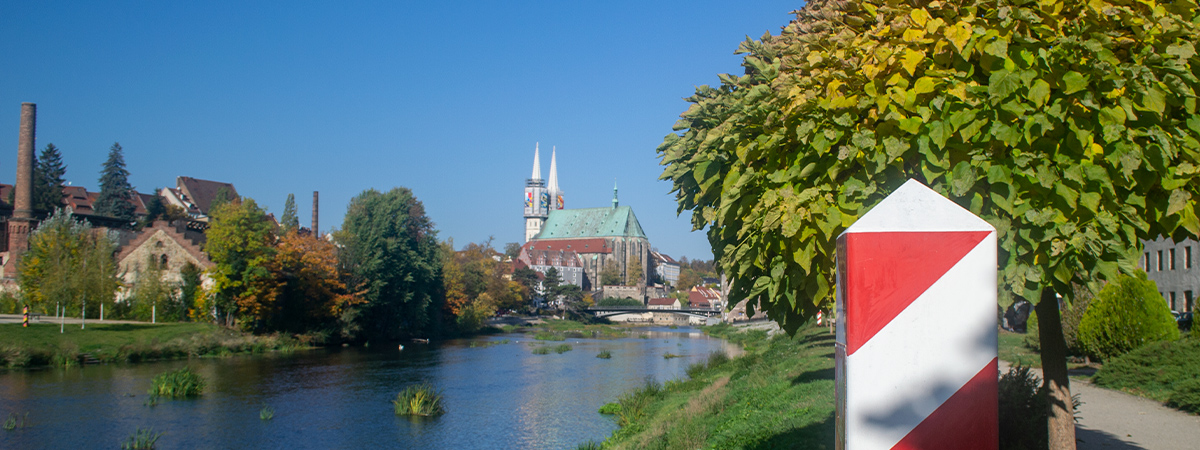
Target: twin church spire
541,198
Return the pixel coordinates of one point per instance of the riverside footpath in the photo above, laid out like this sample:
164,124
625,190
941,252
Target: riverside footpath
1110,419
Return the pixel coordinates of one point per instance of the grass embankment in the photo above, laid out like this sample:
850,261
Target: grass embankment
559,330
778,394
42,344
1168,372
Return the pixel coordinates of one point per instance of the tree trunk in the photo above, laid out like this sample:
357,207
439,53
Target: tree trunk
1061,415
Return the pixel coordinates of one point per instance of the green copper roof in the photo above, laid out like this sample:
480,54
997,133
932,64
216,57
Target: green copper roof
591,222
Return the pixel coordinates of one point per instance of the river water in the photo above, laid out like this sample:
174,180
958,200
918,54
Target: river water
498,397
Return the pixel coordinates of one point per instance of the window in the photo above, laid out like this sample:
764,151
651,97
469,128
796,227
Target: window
1172,259
1160,266
1172,301
1187,257
1188,301
1146,262
164,261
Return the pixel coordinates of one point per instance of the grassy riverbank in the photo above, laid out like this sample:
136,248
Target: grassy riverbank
779,394
43,344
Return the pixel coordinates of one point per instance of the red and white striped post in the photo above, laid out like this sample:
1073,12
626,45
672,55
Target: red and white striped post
916,332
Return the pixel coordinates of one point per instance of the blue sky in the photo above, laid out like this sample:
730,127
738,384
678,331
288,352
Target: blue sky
445,98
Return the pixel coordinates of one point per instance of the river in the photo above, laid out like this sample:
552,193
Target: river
500,396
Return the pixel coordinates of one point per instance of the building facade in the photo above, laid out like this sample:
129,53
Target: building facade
1173,267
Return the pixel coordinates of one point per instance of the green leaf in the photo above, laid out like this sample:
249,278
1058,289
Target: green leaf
1074,82
1154,100
911,125
1039,92
958,34
1002,83
925,85
1112,115
1178,200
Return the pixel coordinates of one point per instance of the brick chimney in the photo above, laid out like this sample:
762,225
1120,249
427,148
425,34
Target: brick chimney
22,221
316,229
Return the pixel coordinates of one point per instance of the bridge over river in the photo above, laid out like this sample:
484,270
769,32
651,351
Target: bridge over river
607,311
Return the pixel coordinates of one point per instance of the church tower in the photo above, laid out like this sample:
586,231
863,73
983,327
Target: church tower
537,199
556,194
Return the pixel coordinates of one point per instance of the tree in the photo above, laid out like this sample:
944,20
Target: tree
302,291
390,247
635,272
528,279
610,275
551,283
70,262
1069,126
48,180
289,222
115,191
189,290
239,242
512,250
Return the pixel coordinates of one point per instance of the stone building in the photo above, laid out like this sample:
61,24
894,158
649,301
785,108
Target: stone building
1173,267
171,247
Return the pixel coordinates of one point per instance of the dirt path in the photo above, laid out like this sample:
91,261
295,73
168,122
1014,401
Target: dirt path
1116,420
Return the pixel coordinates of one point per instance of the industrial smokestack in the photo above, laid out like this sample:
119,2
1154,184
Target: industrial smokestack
316,229
23,197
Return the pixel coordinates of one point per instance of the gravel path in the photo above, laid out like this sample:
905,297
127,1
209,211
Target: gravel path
1115,420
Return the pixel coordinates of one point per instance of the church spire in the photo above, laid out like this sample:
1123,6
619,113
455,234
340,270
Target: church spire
556,200
537,165
614,194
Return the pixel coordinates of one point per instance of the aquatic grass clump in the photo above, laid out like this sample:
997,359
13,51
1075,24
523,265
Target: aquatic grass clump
266,413
604,354
419,400
590,445
141,440
670,355
15,421
541,351
180,383
562,348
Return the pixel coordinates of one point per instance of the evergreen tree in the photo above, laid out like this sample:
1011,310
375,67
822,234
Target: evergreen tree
289,221
115,190
48,180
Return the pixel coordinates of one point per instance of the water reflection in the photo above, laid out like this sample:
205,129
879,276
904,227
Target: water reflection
500,396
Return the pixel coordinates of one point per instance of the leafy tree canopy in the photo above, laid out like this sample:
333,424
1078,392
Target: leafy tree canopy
68,262
1069,126
390,247
240,244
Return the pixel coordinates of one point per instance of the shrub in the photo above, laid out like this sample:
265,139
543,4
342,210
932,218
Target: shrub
178,384
1127,314
1022,411
141,440
419,400
1163,371
1186,396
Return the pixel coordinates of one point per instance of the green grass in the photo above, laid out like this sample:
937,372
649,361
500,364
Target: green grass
541,351
42,344
141,440
604,354
779,394
1014,350
1168,372
419,400
15,421
562,348
266,413
181,383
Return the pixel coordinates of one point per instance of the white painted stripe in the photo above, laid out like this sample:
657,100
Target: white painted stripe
924,355
915,207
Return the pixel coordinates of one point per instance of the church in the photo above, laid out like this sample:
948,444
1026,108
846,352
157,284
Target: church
580,243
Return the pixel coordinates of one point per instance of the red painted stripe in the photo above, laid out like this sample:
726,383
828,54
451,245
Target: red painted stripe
887,271
968,420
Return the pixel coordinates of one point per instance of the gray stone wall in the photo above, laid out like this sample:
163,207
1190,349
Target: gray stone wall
1173,266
